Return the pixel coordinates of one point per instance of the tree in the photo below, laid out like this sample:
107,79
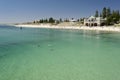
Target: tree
45,21
41,21
96,13
108,16
34,22
108,12
82,20
57,22
117,16
60,20
104,12
109,20
100,15
51,20
66,20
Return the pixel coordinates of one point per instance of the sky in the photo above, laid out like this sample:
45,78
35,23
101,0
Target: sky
16,11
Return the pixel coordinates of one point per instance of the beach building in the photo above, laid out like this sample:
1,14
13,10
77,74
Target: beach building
73,20
94,21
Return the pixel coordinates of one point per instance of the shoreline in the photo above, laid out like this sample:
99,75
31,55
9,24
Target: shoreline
97,28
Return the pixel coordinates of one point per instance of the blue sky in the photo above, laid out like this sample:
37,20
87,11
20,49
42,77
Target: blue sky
28,10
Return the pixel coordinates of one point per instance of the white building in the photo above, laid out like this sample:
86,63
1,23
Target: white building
73,20
94,21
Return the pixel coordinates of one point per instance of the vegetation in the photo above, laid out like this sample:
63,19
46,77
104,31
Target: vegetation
51,20
55,21
96,14
60,21
111,17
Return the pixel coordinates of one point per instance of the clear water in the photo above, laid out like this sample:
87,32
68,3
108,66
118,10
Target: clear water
50,54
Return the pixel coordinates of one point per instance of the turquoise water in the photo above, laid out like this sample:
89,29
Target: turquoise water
51,54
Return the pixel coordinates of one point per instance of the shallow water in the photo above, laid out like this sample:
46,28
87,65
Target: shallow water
51,54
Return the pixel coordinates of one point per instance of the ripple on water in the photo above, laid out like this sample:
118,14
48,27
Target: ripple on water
49,54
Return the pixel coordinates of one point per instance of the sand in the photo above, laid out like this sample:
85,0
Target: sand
100,28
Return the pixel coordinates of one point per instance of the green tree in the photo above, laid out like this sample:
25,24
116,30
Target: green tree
34,22
111,17
57,21
82,20
41,21
45,21
96,13
104,12
115,16
109,20
108,12
108,16
51,20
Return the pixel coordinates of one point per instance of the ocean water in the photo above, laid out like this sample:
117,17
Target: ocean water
51,54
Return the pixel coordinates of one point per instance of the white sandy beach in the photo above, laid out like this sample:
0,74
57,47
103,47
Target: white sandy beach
103,28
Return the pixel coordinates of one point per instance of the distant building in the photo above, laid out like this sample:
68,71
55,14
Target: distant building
94,21
73,20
